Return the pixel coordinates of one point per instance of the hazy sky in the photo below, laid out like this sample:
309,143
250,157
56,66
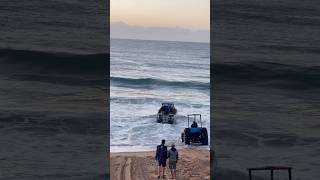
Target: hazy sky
190,14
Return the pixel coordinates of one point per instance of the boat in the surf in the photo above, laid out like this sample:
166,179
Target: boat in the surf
166,113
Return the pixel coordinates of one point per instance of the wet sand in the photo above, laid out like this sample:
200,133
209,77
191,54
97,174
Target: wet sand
193,164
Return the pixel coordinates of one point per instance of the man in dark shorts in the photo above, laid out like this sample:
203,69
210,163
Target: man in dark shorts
161,157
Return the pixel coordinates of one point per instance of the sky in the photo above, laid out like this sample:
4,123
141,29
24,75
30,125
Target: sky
191,15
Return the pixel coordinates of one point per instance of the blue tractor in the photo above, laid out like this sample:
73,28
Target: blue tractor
193,133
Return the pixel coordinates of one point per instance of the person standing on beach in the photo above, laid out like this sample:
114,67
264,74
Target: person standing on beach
161,157
173,159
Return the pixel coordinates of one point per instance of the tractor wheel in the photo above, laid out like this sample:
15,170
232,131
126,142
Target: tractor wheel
204,136
187,136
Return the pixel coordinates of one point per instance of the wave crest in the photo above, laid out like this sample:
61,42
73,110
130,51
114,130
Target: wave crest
264,73
150,83
53,62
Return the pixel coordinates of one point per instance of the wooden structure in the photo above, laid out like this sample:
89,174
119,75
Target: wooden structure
271,169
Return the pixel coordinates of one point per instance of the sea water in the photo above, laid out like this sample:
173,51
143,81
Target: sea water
145,74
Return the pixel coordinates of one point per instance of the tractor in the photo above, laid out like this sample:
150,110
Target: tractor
193,133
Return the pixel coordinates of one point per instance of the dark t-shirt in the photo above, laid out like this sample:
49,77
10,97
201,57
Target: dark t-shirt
161,153
194,125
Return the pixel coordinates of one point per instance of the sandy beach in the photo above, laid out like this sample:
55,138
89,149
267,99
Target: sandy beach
193,164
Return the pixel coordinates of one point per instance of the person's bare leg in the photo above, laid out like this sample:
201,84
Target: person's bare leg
174,173
159,171
164,168
171,173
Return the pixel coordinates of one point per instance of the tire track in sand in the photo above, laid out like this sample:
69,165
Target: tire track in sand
125,170
131,168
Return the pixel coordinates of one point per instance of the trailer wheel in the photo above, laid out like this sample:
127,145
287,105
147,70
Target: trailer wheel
187,136
204,136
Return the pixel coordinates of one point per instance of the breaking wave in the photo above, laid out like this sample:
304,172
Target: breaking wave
54,62
273,74
150,83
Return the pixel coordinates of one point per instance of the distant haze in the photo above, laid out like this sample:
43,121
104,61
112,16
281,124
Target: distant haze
190,14
175,20
125,31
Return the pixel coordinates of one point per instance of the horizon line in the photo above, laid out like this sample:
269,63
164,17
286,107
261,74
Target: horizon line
203,42
169,27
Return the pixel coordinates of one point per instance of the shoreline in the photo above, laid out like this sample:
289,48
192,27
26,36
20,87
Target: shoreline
137,149
193,164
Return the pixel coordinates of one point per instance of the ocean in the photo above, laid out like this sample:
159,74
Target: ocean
145,73
53,89
266,86
264,90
